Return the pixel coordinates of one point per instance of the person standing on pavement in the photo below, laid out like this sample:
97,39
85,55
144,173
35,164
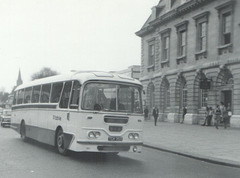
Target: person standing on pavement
229,112
210,115
155,115
206,116
184,113
224,114
217,115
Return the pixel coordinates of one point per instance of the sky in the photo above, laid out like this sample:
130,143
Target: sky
69,35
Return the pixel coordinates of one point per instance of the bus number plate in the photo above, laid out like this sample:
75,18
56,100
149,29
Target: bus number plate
115,138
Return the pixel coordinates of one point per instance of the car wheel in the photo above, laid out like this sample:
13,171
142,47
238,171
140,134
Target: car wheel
60,142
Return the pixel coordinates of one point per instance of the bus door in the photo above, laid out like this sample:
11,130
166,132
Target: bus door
73,112
68,106
63,115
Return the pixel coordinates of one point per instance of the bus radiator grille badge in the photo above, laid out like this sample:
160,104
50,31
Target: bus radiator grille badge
115,128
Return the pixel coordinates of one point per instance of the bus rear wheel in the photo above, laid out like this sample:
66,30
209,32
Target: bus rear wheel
60,142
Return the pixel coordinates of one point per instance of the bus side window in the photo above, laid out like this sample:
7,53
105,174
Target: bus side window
36,94
45,93
15,98
56,92
74,103
20,96
65,95
27,95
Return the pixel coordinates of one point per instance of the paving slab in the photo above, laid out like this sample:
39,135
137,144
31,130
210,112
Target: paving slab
207,143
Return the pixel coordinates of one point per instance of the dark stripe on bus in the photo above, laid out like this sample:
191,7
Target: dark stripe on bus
35,106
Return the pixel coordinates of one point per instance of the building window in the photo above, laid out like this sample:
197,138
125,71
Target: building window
202,36
225,27
182,42
201,33
166,48
165,40
204,97
151,55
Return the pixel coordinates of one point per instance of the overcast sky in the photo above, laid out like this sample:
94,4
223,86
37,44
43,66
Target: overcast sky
69,35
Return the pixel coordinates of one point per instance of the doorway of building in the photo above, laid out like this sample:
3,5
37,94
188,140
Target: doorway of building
226,98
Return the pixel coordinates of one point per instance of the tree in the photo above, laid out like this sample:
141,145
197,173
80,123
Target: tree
3,96
44,72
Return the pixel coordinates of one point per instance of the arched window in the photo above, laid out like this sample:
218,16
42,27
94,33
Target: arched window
204,97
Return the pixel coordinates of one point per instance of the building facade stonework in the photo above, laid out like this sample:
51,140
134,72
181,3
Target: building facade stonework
190,57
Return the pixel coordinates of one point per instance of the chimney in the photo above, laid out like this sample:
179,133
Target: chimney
154,12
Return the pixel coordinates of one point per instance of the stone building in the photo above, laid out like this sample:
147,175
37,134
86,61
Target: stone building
132,71
190,57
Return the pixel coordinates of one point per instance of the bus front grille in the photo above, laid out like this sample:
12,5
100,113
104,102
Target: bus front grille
116,119
113,148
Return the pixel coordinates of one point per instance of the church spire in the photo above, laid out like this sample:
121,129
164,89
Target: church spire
19,80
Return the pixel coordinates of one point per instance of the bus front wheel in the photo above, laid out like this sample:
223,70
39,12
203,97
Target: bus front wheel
23,131
60,142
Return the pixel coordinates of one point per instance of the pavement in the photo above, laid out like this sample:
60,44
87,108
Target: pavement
206,143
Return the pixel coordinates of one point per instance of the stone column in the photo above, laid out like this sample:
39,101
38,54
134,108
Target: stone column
235,118
173,115
191,117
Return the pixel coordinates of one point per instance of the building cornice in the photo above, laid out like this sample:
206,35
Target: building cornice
178,11
208,65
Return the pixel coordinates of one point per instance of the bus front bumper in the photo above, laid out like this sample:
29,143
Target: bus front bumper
95,146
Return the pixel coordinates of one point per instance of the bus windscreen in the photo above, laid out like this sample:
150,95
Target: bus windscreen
112,97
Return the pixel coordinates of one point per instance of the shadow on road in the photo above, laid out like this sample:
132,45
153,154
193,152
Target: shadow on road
88,157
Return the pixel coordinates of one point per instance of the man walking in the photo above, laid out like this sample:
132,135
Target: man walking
155,114
224,114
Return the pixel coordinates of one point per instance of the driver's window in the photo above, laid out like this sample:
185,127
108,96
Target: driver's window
65,95
74,103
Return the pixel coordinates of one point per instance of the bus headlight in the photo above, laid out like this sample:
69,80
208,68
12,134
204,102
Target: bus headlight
136,136
97,134
133,136
94,134
130,136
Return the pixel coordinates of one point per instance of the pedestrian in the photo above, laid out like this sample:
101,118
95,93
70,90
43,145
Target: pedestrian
217,115
146,113
155,115
229,112
210,115
224,114
184,113
206,116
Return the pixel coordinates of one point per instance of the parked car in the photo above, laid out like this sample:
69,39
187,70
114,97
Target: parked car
6,118
1,112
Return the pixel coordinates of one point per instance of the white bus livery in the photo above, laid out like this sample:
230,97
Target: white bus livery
81,111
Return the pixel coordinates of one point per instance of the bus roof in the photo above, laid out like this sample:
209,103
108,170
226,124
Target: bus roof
82,77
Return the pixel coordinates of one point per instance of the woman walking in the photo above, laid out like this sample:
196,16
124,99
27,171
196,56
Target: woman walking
217,115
